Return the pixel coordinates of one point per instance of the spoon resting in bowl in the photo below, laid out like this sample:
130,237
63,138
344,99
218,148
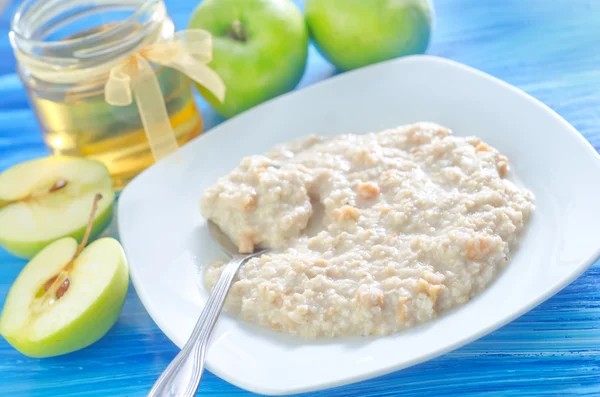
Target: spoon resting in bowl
182,377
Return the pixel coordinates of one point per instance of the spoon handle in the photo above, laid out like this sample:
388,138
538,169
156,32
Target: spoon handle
182,377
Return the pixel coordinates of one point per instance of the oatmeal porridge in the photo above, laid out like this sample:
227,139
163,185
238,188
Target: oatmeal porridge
370,234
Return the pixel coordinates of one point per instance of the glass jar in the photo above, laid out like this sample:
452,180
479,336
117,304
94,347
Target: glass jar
76,37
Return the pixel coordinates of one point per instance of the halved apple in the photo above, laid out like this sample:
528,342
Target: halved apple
45,199
67,297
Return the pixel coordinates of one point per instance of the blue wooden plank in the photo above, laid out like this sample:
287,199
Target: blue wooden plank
547,48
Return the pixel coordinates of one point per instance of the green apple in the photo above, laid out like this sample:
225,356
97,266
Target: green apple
66,298
356,33
259,49
45,199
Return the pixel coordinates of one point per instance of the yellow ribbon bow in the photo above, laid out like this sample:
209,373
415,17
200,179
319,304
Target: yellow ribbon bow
189,51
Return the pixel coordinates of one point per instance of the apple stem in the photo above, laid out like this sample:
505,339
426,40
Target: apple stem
88,229
56,286
238,32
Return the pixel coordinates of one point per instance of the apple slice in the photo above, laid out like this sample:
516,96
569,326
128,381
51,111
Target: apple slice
45,199
67,297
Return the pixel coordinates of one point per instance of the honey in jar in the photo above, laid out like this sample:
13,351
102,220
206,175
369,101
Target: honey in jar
80,38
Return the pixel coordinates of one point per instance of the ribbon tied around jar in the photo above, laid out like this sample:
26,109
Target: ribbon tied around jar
188,51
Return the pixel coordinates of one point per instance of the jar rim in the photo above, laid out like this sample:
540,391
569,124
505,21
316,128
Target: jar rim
151,10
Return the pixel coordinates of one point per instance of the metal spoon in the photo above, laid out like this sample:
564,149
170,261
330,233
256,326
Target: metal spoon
182,377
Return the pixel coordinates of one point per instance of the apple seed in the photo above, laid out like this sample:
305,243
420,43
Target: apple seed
49,283
58,185
63,288
61,183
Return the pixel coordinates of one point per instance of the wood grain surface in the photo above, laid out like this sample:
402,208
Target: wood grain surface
548,48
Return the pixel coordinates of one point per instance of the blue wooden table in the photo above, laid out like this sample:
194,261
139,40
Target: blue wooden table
549,48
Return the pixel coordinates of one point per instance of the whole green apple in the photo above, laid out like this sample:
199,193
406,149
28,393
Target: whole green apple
259,49
356,33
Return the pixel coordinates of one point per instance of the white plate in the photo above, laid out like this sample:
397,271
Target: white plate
166,241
